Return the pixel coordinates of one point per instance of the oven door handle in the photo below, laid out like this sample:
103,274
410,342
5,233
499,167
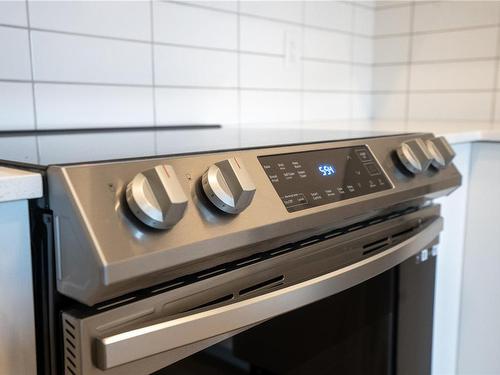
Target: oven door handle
143,342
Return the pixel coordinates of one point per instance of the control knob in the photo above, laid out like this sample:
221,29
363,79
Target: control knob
156,197
441,152
228,185
414,155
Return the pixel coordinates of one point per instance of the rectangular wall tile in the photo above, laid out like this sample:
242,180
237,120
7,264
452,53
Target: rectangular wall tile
73,106
327,45
16,106
121,19
22,149
328,14
442,15
194,67
361,78
257,35
268,72
453,76
362,50
465,44
270,107
71,148
15,55
196,106
13,13
391,49
393,20
326,76
69,58
390,78
450,106
230,6
361,106
389,106
326,106
364,21
188,25
281,10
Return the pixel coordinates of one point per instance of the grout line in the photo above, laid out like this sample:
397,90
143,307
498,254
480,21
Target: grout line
431,62
440,31
32,73
410,59
153,75
332,61
495,80
401,4
238,70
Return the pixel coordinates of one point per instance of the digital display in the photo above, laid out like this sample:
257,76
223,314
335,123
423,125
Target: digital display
317,177
326,169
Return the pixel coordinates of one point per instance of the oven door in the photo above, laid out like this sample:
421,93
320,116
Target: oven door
357,301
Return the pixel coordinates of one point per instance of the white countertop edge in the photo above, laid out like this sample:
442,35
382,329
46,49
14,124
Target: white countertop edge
16,184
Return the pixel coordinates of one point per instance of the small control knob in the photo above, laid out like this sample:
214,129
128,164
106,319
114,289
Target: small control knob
228,185
156,197
441,152
414,155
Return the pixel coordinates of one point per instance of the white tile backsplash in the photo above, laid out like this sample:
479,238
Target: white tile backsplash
22,149
196,106
270,107
13,13
336,15
258,35
181,66
465,44
389,106
70,58
326,76
442,15
473,75
14,55
390,78
326,106
75,106
280,10
468,106
391,49
393,20
120,19
16,106
327,45
269,72
362,50
194,26
364,21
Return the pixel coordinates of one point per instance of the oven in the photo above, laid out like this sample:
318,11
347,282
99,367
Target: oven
312,258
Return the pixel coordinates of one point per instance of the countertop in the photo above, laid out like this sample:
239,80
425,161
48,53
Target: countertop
16,184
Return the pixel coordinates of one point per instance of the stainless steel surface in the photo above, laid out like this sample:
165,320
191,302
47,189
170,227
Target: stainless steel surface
301,265
102,253
146,341
17,316
228,185
441,151
156,197
414,155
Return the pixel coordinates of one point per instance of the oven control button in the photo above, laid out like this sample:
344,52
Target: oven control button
414,155
156,197
228,185
441,152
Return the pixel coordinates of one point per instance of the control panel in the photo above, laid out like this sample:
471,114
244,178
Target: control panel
314,178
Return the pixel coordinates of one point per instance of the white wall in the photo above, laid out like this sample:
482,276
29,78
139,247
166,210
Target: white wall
90,64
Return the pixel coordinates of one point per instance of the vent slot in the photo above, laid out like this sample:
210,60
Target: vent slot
275,281
372,246
71,352
402,233
211,303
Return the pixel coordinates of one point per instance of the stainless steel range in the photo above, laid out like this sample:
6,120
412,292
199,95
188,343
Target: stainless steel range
311,258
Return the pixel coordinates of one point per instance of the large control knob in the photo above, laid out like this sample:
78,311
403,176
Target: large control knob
414,155
228,185
441,152
156,197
